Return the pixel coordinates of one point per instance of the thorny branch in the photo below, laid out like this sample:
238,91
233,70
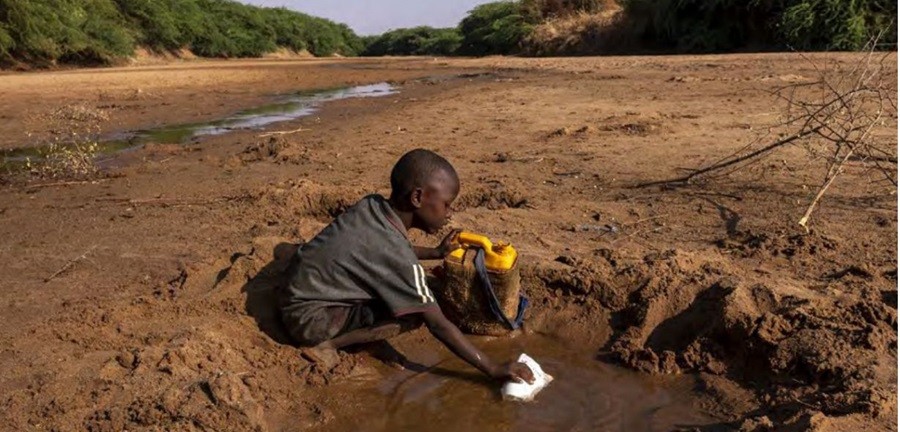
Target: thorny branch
834,118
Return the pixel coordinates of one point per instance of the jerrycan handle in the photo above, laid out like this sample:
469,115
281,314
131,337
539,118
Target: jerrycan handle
472,239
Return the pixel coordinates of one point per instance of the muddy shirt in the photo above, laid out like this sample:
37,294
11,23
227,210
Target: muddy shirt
363,255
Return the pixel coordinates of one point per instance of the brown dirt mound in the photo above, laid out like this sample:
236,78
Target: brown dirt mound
750,244
676,312
596,278
211,375
639,128
289,202
579,132
276,149
495,196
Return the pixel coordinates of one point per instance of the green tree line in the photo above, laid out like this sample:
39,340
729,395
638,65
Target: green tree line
663,26
413,41
491,28
104,31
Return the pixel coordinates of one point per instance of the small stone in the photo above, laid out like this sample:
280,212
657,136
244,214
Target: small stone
126,359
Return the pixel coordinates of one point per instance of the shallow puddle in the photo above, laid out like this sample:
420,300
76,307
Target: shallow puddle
586,395
286,108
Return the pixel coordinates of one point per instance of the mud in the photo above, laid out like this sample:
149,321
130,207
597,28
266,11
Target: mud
585,395
698,308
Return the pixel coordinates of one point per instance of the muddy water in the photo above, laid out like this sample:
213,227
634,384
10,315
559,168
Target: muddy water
586,395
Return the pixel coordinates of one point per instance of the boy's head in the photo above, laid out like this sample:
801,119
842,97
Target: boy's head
424,184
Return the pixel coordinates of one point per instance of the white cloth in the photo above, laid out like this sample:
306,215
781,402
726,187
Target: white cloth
522,391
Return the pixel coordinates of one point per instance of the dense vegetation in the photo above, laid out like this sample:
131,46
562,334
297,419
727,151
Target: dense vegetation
494,28
103,31
549,9
491,28
724,25
414,41
672,25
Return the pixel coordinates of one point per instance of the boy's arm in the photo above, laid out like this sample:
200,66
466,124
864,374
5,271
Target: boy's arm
447,245
428,253
456,342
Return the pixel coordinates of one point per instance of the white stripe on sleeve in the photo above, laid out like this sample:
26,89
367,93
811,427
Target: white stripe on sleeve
425,284
416,276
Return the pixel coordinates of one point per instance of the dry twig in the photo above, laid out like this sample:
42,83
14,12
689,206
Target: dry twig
65,183
268,134
167,202
70,264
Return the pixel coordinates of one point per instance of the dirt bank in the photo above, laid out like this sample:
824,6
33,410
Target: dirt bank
143,301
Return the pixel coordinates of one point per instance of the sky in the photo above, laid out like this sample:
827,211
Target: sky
369,17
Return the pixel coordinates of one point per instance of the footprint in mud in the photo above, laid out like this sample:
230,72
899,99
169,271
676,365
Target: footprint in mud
586,395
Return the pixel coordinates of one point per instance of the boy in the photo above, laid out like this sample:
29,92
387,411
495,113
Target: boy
359,280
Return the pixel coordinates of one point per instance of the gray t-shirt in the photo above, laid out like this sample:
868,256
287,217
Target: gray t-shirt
363,255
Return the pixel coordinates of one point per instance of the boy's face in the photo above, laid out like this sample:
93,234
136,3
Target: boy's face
432,203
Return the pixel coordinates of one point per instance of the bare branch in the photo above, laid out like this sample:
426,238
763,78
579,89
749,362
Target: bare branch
833,118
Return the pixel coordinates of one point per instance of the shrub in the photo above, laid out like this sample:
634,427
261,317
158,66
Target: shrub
547,9
493,28
72,149
68,30
414,41
834,25
158,23
725,25
101,31
6,42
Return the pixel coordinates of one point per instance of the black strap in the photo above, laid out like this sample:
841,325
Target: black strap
492,297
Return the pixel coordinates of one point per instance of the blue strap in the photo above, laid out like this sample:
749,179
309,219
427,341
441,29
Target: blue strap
492,297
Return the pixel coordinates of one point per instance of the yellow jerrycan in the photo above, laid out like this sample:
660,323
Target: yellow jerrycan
481,292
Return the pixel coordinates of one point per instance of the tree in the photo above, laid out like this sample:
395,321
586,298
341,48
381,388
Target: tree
493,28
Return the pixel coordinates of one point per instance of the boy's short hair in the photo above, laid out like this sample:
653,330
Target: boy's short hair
415,168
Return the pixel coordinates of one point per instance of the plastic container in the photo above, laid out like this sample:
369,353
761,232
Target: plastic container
522,391
499,257
461,294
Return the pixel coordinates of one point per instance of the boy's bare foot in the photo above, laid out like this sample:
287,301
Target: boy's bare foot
324,357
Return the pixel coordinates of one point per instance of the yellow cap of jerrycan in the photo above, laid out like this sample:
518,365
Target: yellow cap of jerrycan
499,257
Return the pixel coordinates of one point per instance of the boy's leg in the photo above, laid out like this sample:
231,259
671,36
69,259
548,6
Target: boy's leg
380,331
363,325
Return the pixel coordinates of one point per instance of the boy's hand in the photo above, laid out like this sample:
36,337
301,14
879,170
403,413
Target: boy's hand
449,243
453,339
514,371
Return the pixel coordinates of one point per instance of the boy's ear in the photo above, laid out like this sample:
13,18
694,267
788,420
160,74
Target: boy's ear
416,197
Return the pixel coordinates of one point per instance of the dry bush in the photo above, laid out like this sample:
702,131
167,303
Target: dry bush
839,113
550,9
70,150
845,116
579,33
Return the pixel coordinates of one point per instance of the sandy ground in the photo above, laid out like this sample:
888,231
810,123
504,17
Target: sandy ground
161,317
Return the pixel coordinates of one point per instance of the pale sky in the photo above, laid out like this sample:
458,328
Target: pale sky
368,17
